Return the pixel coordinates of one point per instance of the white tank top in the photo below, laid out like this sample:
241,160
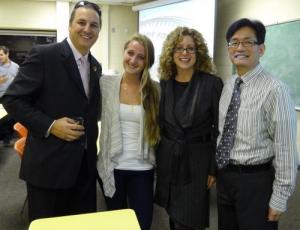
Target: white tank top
130,130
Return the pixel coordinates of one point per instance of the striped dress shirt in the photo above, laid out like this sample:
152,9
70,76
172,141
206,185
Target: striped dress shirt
266,129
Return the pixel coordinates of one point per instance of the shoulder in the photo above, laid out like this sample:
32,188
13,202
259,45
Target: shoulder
163,83
49,47
272,83
15,65
211,79
93,60
110,78
46,50
162,86
109,83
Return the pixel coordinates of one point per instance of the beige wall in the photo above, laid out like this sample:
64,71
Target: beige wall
27,15
119,22
123,22
268,11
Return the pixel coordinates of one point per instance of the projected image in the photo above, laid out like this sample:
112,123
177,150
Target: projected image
157,22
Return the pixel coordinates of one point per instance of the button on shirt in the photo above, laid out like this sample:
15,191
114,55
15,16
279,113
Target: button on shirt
266,128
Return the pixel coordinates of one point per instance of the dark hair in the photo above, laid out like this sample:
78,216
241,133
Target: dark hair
256,25
5,49
88,5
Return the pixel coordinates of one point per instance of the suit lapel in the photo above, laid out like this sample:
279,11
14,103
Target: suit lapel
95,73
71,66
169,102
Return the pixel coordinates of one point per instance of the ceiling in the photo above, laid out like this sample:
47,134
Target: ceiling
112,2
122,1
117,2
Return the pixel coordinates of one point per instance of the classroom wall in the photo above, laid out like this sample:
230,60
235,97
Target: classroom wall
118,23
267,11
122,23
27,15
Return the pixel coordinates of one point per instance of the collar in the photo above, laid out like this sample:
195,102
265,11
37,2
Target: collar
5,64
75,52
250,75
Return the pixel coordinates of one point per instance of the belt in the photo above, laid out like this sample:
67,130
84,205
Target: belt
190,140
248,168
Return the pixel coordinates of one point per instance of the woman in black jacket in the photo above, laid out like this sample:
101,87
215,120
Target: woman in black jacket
189,127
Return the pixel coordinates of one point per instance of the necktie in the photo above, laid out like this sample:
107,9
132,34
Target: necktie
229,129
84,73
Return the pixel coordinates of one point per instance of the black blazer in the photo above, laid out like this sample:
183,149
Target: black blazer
47,87
185,155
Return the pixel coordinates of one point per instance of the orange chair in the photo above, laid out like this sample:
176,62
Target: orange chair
20,129
22,133
19,146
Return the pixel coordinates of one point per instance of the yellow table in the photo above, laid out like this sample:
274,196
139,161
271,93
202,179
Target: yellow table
124,219
2,111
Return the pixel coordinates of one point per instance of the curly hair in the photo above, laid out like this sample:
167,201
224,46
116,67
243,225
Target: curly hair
204,63
149,90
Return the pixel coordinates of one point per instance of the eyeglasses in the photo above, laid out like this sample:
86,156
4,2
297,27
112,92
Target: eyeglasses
90,5
246,44
190,50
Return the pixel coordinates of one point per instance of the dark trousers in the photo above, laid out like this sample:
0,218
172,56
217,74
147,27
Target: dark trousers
81,198
6,127
178,226
243,200
136,188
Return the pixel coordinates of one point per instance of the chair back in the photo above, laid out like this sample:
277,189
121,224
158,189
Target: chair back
20,129
19,146
20,143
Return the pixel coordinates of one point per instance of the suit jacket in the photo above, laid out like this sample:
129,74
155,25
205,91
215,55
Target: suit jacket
186,153
47,87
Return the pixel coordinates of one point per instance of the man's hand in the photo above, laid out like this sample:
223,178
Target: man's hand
273,215
210,181
3,79
67,129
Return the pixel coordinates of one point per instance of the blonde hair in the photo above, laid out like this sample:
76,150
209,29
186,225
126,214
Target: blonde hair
204,63
149,91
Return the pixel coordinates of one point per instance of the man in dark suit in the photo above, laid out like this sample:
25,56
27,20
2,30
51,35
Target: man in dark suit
57,85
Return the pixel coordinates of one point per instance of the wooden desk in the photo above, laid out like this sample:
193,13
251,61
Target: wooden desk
124,219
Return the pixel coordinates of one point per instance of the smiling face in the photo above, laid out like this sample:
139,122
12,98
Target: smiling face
184,55
84,29
245,58
134,58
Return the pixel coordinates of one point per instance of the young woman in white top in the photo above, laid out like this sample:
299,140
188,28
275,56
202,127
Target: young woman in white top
129,131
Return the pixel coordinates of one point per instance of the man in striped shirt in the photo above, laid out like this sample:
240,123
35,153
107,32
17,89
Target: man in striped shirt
254,185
